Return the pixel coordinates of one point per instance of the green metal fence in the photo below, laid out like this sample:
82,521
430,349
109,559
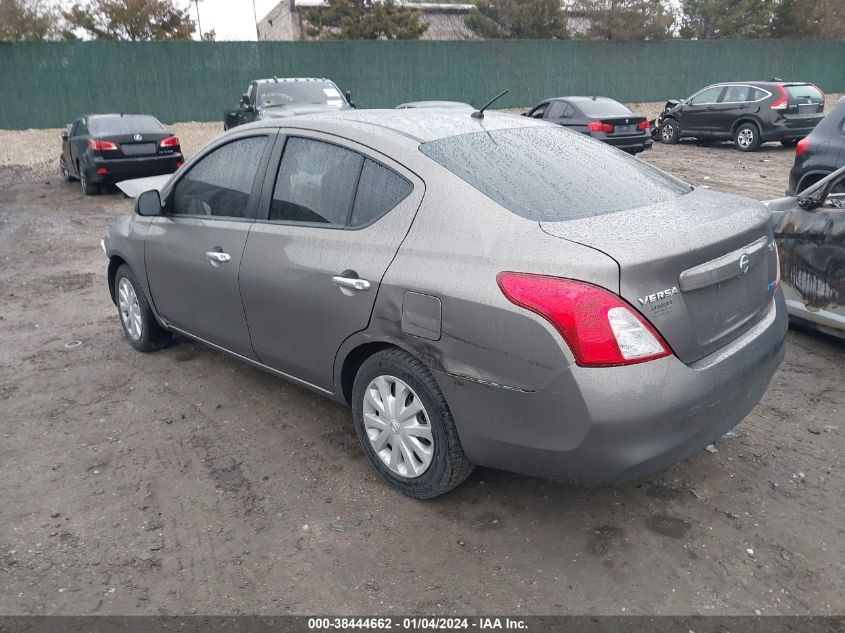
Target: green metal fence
46,84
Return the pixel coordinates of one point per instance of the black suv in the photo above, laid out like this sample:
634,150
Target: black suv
749,113
821,153
284,97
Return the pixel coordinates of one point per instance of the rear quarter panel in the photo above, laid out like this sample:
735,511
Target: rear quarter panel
458,243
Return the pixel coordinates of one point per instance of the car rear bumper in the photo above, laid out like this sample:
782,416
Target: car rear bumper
630,143
789,130
596,426
118,169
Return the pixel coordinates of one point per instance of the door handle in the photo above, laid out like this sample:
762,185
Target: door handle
351,283
217,257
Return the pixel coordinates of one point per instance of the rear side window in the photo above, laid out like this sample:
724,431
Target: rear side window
219,185
125,124
551,174
316,183
379,190
804,94
757,94
735,94
603,108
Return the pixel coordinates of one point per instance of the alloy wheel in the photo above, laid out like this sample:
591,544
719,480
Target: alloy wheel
130,311
398,426
667,132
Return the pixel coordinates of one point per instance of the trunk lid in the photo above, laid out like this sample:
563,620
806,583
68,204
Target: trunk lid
623,125
133,145
700,268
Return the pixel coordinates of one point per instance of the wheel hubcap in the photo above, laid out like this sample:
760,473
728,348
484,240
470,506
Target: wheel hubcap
667,132
398,427
746,137
130,311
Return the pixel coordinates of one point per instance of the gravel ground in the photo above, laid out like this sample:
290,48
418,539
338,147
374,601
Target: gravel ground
186,482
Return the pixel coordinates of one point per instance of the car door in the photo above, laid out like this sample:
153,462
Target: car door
67,152
334,218
697,113
539,111
733,103
559,112
77,143
193,251
246,111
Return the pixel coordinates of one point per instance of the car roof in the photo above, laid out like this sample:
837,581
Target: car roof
434,104
102,115
278,80
408,126
578,99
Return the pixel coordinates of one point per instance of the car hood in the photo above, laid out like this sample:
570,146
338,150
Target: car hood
285,112
135,187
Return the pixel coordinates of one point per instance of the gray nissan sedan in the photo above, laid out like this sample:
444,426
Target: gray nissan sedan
480,290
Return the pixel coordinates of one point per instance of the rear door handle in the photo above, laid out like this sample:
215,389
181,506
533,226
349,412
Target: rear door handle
218,257
351,283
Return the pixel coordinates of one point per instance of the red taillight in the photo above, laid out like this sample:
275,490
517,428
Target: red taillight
170,141
101,170
178,164
802,146
100,146
598,126
643,125
782,101
599,327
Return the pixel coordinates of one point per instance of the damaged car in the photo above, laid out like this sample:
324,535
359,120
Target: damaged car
810,232
479,289
282,97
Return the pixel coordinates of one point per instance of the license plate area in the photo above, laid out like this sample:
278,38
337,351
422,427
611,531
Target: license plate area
138,149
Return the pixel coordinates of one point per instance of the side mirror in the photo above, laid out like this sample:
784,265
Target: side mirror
245,99
348,95
64,135
148,203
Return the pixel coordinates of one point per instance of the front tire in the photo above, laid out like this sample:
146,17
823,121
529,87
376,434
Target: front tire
139,323
65,171
747,137
670,133
405,427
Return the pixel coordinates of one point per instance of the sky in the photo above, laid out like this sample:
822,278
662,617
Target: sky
231,19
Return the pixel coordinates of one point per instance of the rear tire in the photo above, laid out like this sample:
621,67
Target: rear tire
670,133
747,137
379,381
88,188
790,143
136,317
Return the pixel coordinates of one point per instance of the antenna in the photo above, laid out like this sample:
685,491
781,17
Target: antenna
479,114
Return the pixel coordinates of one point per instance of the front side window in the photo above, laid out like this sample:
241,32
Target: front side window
711,95
220,184
540,111
316,183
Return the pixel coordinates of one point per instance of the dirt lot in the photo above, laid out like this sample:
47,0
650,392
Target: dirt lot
186,482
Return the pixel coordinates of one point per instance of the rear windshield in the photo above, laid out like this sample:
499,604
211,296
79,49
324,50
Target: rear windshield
550,174
804,93
602,108
125,124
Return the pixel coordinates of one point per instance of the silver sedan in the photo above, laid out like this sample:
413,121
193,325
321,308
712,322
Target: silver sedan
486,290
